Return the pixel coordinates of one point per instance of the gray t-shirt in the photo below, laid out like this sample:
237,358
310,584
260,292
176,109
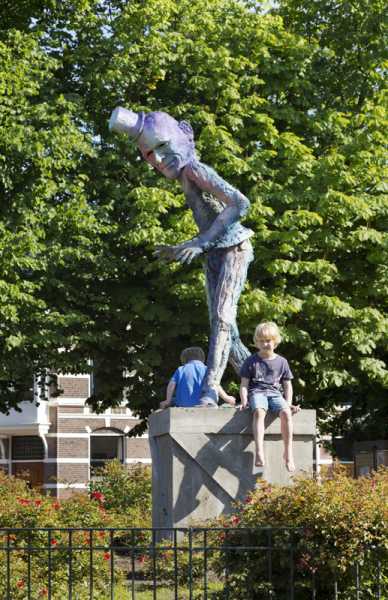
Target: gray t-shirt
266,375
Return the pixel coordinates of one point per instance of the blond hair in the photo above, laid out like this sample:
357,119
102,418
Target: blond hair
192,353
267,329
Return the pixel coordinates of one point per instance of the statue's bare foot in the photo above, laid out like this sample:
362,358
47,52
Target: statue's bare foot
208,402
289,462
259,460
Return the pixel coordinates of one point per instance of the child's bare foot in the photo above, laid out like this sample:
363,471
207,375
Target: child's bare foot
290,465
259,461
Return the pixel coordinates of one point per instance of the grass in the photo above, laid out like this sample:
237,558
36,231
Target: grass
124,593
145,592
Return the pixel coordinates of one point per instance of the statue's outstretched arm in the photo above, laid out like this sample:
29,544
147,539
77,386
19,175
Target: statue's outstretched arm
236,204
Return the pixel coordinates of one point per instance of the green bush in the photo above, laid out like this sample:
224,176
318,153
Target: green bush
125,491
174,565
333,525
21,507
119,498
126,494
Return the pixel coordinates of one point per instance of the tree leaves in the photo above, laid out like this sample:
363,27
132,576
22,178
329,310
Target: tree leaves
289,106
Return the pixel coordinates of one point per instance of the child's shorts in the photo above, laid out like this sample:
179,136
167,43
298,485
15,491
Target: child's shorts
274,403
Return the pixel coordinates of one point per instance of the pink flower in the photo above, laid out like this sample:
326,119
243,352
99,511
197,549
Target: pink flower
56,505
235,520
20,583
38,502
106,555
99,496
248,500
23,501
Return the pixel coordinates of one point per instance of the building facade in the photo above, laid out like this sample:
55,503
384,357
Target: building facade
57,445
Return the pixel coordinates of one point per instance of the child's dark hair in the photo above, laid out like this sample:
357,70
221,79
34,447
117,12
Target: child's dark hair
192,353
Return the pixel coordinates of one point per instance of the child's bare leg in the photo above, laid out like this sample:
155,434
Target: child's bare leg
258,435
287,431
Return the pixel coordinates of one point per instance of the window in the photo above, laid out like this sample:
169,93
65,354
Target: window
27,447
105,447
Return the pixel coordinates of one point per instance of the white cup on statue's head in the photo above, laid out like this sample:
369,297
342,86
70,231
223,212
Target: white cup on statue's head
126,121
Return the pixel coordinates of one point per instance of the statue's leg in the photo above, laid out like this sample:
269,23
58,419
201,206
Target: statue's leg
238,351
219,340
225,276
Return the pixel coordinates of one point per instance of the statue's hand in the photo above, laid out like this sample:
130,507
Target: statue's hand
186,253
183,253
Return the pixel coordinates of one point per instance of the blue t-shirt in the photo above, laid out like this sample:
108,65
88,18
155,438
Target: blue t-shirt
188,379
266,375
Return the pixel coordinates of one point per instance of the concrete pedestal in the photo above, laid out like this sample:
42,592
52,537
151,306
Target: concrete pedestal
203,460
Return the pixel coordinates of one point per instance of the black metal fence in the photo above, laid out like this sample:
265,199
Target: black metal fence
179,564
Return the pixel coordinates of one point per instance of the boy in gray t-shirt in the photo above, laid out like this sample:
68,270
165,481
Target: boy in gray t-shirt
266,385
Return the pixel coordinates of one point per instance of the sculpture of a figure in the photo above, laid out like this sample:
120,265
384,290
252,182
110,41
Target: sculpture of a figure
168,145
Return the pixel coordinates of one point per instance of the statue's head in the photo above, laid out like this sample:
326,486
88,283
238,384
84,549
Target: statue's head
166,144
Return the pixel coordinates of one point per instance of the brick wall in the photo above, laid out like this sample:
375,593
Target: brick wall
73,448
73,473
64,410
64,494
75,425
63,446
138,448
74,387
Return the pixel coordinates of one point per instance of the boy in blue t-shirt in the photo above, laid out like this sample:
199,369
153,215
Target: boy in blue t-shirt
187,381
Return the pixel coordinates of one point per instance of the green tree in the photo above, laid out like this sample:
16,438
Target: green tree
286,107
50,236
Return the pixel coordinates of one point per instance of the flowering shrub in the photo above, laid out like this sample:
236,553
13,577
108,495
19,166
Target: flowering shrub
174,565
21,507
118,499
332,525
124,491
